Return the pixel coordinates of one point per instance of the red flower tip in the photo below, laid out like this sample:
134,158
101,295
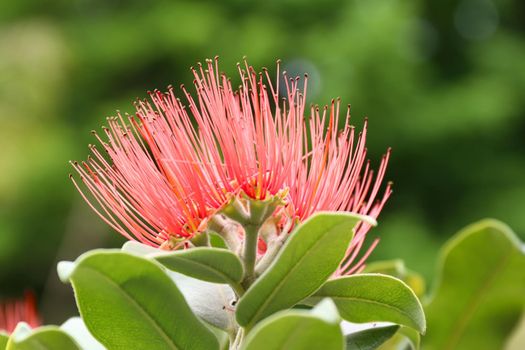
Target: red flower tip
19,310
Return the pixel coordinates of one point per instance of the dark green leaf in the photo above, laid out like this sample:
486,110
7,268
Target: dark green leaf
128,302
309,257
207,264
480,293
373,298
370,339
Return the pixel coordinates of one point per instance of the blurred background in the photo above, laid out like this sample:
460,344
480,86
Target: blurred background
442,82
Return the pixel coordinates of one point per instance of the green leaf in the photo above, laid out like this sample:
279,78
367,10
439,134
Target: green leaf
200,240
208,264
405,338
308,258
3,340
129,302
370,339
411,336
373,298
480,292
210,301
42,338
222,337
298,330
397,269
216,241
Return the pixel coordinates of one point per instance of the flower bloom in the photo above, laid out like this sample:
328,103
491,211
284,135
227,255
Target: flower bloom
22,310
173,164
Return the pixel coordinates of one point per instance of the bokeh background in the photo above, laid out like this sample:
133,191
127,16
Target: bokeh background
442,82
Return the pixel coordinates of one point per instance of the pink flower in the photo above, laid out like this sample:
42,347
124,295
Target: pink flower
22,310
174,166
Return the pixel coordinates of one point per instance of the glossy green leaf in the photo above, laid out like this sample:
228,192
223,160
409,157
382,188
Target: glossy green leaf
372,298
208,264
211,302
298,330
397,269
43,338
480,293
308,258
128,302
370,339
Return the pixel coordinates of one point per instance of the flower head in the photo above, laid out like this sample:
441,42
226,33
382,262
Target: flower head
21,310
174,164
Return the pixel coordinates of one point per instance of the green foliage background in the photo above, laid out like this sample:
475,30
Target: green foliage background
442,82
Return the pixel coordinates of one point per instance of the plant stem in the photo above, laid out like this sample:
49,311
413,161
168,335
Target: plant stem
250,252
